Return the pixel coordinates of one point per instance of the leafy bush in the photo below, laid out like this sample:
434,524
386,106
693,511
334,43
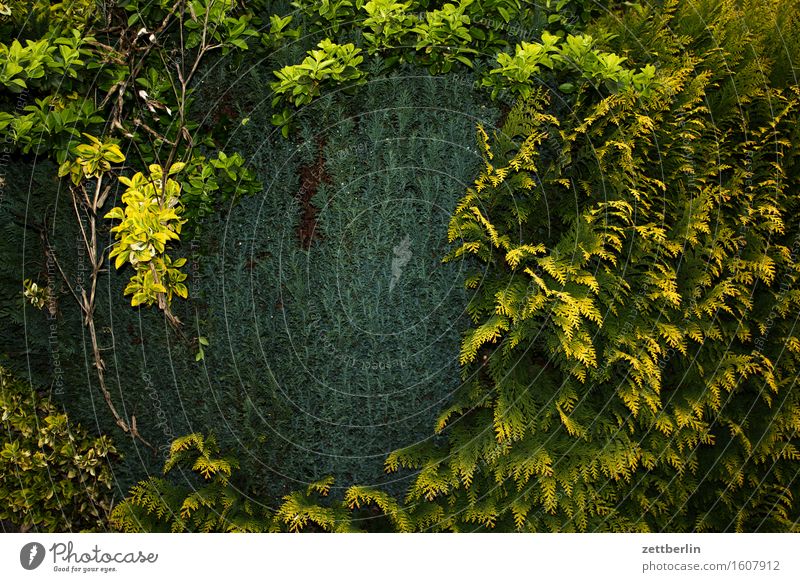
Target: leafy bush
53,475
468,33
150,220
387,25
517,73
444,38
330,63
81,78
328,14
208,184
94,87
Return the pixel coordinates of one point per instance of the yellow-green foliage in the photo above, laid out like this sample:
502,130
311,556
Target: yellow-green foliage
517,73
329,63
633,359
54,476
212,502
35,294
209,503
150,220
92,160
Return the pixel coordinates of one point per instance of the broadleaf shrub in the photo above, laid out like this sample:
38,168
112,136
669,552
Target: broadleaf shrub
54,476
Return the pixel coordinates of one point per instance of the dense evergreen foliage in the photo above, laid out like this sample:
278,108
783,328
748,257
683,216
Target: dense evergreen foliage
634,356
268,227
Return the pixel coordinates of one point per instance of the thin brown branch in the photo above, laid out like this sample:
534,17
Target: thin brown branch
139,123
80,220
87,302
50,251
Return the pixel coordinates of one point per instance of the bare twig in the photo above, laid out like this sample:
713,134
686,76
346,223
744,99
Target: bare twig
86,302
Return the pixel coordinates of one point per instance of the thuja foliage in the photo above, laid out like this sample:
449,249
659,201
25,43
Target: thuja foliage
54,476
353,320
206,499
633,358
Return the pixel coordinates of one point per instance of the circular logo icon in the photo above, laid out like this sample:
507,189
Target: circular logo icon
31,555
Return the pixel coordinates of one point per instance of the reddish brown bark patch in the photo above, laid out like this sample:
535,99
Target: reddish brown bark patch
311,176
